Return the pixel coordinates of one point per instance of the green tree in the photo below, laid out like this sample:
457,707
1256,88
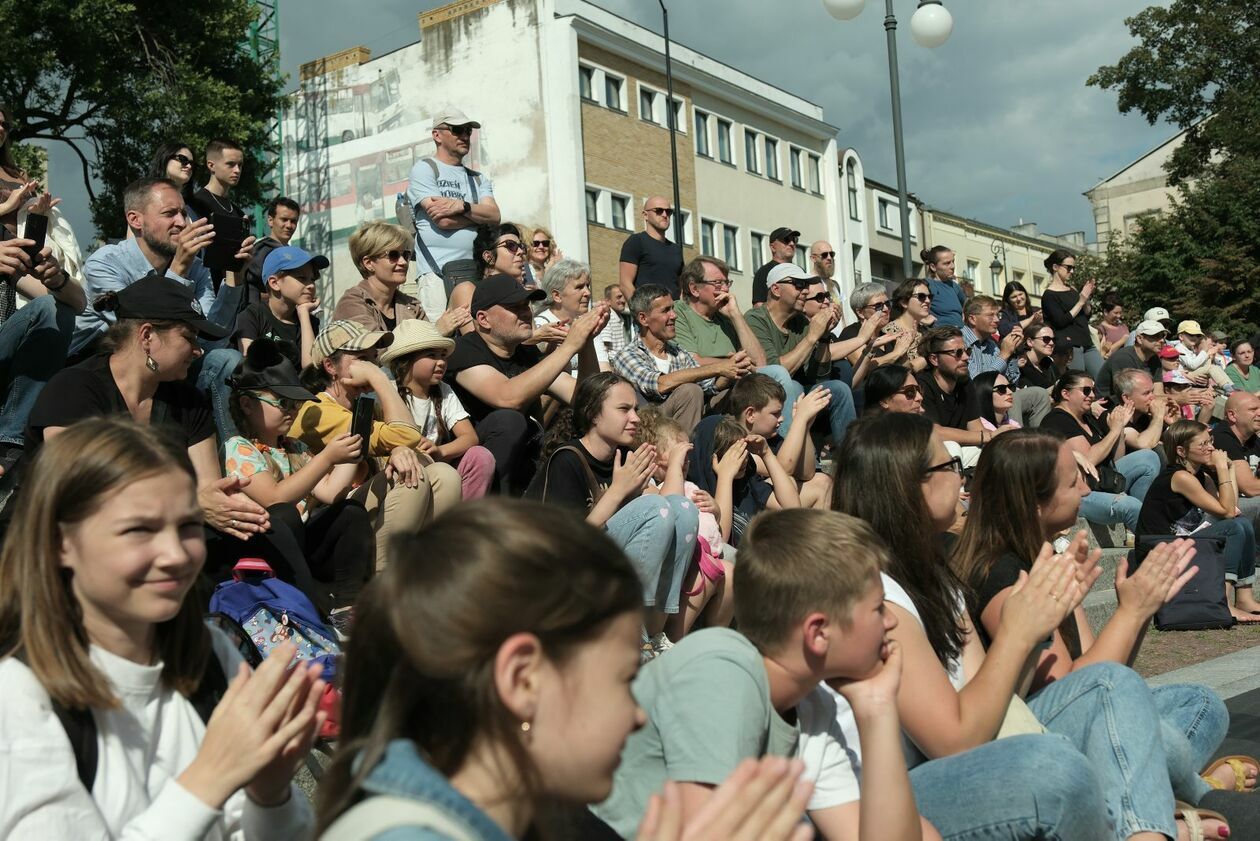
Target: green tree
1195,66
114,79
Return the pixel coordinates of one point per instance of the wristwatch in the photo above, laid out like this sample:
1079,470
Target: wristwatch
467,207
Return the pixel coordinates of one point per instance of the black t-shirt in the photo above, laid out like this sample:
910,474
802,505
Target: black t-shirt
1004,573
1122,360
206,204
1223,438
1041,376
471,351
954,409
565,479
257,321
659,261
850,331
1166,512
1064,424
1069,331
761,288
88,390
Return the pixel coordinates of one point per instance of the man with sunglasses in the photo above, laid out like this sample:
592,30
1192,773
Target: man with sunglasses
980,335
796,342
782,250
648,258
1149,337
823,258
449,201
948,399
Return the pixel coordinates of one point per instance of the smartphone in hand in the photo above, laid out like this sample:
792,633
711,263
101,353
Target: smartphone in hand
364,414
37,230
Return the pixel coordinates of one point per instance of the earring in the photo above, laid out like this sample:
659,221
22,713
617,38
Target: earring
150,362
524,726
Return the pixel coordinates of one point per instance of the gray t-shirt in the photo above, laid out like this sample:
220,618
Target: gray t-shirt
452,182
708,708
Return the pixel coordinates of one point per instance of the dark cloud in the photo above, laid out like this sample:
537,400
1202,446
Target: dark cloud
999,123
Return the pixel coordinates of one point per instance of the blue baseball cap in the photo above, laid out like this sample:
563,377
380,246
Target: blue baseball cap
289,257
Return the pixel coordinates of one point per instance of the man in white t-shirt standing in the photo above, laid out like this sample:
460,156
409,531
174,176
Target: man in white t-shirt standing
449,201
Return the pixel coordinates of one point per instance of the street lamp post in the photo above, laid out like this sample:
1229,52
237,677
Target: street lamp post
997,266
673,126
930,26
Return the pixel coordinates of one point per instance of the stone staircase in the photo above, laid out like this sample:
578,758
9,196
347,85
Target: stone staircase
1100,604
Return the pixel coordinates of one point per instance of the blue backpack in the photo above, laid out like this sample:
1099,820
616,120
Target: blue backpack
260,612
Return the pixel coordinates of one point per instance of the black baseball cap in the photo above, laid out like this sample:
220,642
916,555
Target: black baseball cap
265,368
784,234
157,297
501,289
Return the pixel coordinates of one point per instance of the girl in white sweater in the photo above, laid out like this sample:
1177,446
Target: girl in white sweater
95,618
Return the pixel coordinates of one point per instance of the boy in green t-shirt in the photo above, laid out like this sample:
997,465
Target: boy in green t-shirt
810,607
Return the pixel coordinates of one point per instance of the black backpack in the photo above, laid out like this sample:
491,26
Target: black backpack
80,726
1201,604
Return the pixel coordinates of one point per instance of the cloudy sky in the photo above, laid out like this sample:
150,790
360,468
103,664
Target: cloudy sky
999,124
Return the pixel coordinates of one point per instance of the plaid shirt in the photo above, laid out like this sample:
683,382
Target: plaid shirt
984,357
637,364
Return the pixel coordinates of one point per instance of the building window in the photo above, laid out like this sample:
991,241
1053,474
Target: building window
772,159
854,200
592,206
689,238
799,259
750,152
758,251
614,92
884,221
677,120
620,204
706,237
647,105
972,271
1017,276
1038,281
702,135
730,246
815,183
586,82
794,167
725,155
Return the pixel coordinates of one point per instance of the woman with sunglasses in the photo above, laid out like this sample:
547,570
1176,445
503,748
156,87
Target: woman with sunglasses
1067,310
498,249
543,253
1017,308
174,162
1037,367
893,388
911,314
1099,447
320,541
996,395
383,254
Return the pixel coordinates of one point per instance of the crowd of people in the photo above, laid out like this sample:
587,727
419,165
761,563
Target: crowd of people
620,560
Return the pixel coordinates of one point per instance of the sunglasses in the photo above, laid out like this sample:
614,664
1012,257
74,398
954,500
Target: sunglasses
910,392
826,255
799,283
882,305
394,255
459,131
957,353
1047,340
821,298
282,403
184,160
512,246
1002,389
922,297
542,243
1068,268
954,465
661,211
1087,390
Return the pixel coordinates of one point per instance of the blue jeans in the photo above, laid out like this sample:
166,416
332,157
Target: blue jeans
1088,360
658,535
1240,548
1106,711
1193,720
840,411
1139,470
216,366
791,389
34,342
1032,786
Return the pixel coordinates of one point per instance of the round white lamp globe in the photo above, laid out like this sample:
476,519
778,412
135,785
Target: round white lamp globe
844,9
931,24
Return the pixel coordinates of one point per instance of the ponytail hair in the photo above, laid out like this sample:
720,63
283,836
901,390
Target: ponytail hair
932,256
1056,258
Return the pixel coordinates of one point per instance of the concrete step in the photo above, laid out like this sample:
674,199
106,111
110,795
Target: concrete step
1099,606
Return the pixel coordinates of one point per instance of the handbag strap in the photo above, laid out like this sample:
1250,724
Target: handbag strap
591,481
376,815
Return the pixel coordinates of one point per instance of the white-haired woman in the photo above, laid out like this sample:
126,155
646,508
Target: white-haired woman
568,287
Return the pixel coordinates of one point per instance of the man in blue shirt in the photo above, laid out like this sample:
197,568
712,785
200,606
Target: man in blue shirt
948,296
449,201
980,338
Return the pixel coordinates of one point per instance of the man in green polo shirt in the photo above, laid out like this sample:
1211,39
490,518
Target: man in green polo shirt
711,328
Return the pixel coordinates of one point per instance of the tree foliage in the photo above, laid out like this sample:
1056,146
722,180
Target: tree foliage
1195,66
114,79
